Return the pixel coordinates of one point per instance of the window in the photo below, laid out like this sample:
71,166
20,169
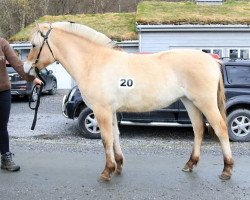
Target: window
233,53
218,52
44,71
244,54
239,53
213,50
24,54
238,75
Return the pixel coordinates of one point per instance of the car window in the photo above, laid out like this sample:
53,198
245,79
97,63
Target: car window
238,75
11,70
44,71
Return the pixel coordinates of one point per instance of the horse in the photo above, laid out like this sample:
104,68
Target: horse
113,81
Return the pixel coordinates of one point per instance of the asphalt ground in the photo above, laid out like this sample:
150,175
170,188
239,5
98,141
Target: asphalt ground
66,172
57,163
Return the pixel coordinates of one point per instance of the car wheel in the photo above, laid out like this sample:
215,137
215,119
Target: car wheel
239,125
54,88
88,125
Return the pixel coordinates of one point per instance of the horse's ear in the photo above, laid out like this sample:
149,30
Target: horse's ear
37,25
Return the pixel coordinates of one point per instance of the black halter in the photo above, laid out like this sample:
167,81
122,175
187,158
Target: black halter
45,39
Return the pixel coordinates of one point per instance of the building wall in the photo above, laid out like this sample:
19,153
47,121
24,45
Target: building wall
131,46
222,40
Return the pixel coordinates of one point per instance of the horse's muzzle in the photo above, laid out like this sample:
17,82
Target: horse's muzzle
29,68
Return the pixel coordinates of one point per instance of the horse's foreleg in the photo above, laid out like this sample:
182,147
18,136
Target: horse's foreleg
198,124
119,158
104,119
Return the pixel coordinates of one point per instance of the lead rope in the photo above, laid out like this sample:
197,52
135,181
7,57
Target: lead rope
39,89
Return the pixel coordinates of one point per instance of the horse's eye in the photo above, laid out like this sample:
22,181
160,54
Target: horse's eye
33,45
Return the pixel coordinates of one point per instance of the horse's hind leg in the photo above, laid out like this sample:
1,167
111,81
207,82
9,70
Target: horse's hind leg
104,118
117,148
220,128
196,118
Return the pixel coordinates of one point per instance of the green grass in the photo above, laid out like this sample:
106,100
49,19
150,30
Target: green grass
118,26
122,26
159,12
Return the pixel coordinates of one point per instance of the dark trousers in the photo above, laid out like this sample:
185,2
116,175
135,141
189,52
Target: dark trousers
5,102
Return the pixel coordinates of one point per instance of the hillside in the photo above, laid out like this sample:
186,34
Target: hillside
122,26
118,26
159,12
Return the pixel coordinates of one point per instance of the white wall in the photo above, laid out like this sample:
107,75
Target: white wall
153,38
64,80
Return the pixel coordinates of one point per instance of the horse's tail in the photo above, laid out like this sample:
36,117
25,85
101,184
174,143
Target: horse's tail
221,101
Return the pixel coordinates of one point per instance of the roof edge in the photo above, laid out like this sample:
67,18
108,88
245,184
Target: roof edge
192,27
130,43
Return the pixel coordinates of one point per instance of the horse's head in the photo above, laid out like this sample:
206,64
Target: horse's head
41,54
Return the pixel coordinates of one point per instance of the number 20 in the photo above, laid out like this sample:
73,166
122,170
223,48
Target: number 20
126,82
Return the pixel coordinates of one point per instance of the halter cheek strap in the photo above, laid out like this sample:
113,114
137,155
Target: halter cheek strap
45,39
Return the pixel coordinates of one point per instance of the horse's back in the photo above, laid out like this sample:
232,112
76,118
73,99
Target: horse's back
184,58
191,65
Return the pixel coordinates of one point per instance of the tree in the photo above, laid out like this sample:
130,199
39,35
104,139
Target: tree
19,13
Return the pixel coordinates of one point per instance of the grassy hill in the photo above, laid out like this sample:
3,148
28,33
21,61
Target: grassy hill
122,26
159,12
118,26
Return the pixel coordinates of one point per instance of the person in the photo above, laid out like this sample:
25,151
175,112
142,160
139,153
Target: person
7,54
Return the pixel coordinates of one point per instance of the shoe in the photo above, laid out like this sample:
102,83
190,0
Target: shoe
8,164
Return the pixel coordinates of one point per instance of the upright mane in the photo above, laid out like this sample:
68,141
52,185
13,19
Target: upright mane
81,30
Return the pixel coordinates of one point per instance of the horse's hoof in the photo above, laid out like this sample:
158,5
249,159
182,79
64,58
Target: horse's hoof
224,177
187,169
104,178
118,171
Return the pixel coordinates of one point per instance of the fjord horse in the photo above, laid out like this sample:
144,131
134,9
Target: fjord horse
111,81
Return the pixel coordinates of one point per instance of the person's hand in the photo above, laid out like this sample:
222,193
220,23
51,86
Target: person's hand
37,81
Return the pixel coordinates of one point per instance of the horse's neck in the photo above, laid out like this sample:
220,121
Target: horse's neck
75,54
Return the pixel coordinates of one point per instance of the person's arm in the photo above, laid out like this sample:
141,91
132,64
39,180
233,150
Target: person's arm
15,61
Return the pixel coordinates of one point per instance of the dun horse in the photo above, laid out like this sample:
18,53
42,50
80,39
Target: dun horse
111,81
